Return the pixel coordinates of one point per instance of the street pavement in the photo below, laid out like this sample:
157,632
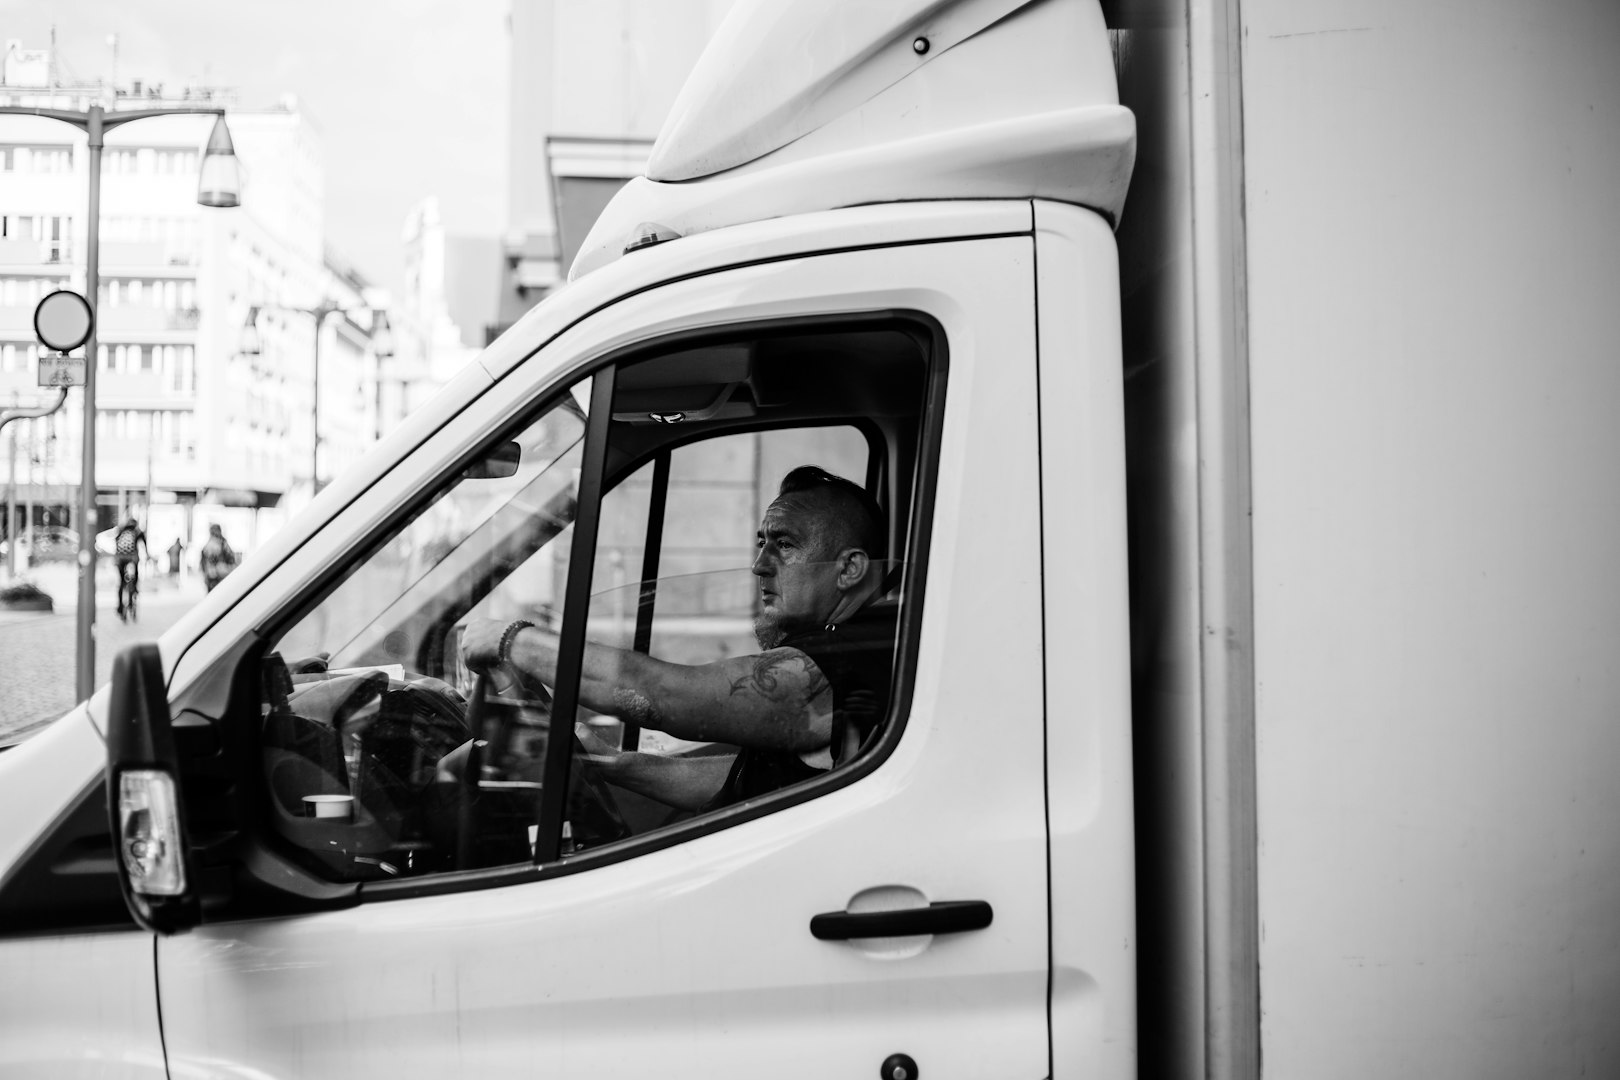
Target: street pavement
37,648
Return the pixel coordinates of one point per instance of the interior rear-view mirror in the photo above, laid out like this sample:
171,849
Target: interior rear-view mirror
501,461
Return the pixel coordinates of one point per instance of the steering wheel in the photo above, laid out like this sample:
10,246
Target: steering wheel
592,810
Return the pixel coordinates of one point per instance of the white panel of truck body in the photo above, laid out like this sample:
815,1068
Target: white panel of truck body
799,107
776,72
84,1004
40,777
1434,262
1088,727
1180,264
80,1006
698,958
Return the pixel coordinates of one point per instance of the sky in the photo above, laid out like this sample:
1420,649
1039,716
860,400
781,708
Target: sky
409,96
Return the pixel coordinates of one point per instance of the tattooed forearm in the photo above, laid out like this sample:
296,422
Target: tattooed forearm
771,669
635,708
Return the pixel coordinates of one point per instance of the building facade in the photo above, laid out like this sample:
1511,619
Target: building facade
591,84
192,428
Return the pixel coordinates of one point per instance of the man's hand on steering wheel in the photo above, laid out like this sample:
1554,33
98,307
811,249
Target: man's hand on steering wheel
481,643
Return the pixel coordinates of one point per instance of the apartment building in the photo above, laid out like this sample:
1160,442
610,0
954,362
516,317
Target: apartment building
193,427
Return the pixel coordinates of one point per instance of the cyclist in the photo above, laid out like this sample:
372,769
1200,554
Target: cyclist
129,544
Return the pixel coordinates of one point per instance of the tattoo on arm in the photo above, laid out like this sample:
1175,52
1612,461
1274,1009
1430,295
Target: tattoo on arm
636,708
768,672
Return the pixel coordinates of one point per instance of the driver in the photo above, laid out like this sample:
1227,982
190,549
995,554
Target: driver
809,698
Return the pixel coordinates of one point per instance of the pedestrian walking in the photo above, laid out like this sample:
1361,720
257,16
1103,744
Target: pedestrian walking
217,558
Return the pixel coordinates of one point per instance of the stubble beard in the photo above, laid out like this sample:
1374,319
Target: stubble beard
768,631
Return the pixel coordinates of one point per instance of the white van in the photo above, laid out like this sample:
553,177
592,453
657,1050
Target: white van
1236,711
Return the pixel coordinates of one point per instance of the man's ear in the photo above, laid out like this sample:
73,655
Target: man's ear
853,565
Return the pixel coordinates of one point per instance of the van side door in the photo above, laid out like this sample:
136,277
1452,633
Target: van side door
509,910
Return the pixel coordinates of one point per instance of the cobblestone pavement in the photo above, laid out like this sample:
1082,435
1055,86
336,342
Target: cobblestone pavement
37,650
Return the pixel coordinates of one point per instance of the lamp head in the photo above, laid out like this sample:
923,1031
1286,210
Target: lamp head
249,344
382,335
220,182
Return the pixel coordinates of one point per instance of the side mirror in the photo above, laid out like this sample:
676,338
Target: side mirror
501,462
144,804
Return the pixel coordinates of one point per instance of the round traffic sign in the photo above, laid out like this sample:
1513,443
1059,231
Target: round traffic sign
62,320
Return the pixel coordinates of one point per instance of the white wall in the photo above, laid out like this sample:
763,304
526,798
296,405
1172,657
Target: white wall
1434,261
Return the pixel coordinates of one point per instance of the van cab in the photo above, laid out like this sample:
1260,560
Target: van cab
335,849
1246,552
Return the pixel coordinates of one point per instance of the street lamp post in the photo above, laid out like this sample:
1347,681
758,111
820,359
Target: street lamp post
217,187
250,345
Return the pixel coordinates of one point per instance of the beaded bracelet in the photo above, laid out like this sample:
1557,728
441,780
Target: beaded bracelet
503,652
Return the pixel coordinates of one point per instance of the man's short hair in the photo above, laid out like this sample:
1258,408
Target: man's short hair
858,511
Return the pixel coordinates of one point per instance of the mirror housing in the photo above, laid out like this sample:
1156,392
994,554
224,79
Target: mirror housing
144,804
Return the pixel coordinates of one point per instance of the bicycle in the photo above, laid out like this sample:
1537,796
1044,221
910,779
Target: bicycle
129,589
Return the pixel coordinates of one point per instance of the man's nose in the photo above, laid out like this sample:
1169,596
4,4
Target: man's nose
762,563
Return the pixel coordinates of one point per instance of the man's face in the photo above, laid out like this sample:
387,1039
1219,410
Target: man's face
795,560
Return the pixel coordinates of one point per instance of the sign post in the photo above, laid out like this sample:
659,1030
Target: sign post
61,371
62,322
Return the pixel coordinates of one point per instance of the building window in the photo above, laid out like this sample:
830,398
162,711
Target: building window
39,159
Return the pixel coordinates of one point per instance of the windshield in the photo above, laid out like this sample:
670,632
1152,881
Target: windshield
482,531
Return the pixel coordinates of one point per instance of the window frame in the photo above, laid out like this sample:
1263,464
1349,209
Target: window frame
931,415
931,340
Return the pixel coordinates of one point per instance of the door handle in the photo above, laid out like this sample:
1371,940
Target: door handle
943,917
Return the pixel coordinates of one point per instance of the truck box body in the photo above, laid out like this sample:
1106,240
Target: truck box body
1367,260
1235,382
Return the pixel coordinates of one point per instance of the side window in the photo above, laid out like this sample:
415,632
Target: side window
718,492
694,602
692,568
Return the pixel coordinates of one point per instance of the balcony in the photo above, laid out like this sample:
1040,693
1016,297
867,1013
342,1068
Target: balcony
135,318
15,252
148,256
17,321
24,384
135,387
